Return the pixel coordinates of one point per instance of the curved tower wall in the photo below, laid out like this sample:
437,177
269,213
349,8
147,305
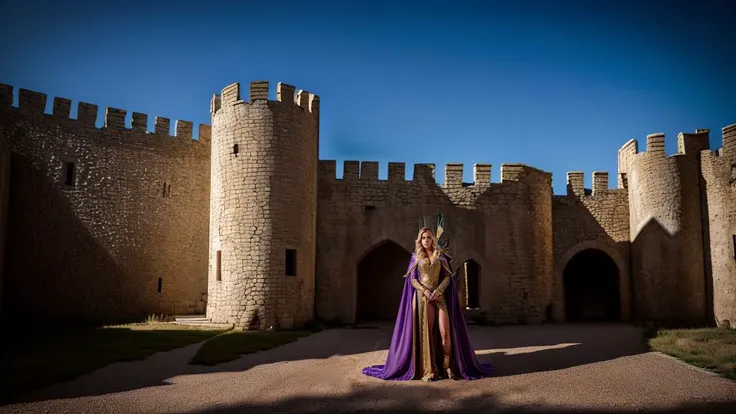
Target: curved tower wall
666,229
263,207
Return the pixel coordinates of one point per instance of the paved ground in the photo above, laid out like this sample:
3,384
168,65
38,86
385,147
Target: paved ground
548,368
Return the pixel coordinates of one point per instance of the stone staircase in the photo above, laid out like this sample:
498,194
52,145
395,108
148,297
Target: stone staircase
201,321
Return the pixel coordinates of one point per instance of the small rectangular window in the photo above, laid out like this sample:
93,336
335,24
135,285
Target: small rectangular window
290,262
734,246
160,282
69,173
218,270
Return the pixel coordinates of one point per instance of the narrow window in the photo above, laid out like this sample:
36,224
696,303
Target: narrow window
734,246
168,191
290,262
164,193
369,208
69,173
472,274
160,281
218,265
235,149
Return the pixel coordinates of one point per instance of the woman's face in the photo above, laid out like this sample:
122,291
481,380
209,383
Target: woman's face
426,240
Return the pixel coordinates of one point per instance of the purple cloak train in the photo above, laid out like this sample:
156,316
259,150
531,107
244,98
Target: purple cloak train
401,359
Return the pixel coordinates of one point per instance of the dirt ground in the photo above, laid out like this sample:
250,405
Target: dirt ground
557,368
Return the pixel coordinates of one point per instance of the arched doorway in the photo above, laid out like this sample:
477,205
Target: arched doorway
591,281
380,282
469,284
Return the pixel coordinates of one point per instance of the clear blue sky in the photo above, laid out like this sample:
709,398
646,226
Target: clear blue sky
559,85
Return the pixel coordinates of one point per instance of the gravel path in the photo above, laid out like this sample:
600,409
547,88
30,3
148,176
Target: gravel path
549,368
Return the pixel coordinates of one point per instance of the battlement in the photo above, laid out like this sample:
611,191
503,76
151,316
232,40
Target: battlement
367,172
259,92
31,103
576,183
687,144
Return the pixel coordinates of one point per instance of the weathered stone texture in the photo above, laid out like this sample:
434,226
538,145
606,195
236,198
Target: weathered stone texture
264,195
92,243
140,210
591,220
505,227
719,175
666,234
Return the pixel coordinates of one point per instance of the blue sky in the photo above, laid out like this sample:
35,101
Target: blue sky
557,85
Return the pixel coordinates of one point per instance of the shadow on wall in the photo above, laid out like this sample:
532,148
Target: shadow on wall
660,297
74,280
513,350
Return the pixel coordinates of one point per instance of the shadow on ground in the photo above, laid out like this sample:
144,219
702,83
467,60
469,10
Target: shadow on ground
513,350
396,399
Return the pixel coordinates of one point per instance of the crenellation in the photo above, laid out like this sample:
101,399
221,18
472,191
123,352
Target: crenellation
62,108
139,122
482,174
424,173
115,118
215,103
576,183
369,171
87,114
351,171
184,129
328,169
396,172
453,175
728,134
285,92
692,144
205,133
600,182
314,104
30,102
162,126
6,96
302,99
655,143
259,91
230,94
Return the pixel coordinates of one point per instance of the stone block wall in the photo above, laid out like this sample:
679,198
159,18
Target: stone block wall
263,209
666,229
104,223
719,176
597,219
505,227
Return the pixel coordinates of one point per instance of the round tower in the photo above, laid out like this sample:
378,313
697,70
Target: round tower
666,229
263,207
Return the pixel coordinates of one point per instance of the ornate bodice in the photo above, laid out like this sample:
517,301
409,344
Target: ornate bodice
430,273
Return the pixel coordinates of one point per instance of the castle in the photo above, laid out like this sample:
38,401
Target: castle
246,224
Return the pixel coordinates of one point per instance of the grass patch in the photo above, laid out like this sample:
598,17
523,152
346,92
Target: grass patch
710,348
34,359
232,345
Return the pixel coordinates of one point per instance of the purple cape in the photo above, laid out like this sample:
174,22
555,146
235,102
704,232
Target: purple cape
400,360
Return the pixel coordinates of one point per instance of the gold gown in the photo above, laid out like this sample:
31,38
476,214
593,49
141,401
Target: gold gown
432,278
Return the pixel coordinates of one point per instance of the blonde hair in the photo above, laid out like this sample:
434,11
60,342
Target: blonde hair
419,250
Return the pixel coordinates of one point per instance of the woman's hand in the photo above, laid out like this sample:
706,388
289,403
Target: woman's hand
434,295
427,294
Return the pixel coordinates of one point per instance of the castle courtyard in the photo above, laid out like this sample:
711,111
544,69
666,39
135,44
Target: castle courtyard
559,368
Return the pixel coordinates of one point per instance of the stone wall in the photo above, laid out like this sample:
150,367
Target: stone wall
666,229
597,219
105,223
719,176
505,227
264,195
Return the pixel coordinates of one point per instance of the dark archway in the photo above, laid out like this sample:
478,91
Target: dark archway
380,282
591,280
469,284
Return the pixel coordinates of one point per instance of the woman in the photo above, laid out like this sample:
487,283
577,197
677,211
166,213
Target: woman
430,339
